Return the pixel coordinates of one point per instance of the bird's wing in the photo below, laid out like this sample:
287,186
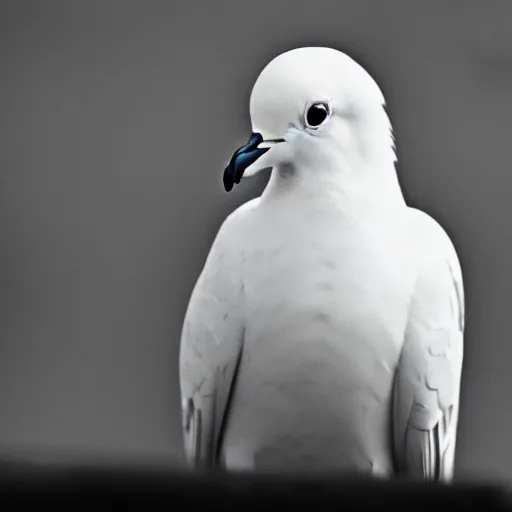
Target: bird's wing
211,346
427,386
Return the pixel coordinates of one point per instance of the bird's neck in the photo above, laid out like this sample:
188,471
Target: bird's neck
346,188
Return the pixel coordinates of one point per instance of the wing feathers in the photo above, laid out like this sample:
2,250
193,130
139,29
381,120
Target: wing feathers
427,385
211,346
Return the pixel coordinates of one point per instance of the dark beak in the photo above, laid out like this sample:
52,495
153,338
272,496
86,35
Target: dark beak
243,158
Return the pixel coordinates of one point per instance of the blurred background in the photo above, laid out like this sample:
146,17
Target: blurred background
116,120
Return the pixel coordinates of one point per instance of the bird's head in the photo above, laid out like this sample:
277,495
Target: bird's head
314,108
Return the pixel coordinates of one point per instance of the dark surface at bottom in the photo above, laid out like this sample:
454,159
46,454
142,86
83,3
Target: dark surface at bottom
40,485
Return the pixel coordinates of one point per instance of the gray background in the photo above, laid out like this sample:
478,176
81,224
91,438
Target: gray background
116,121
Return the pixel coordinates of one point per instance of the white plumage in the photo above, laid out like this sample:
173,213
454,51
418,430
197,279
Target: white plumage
326,328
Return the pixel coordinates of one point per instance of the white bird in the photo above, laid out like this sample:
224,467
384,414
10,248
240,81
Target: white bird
325,331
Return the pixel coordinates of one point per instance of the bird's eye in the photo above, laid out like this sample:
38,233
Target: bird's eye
316,114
